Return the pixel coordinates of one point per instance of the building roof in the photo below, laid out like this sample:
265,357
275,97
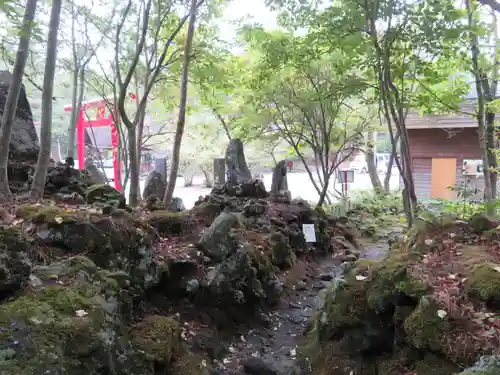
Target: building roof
465,118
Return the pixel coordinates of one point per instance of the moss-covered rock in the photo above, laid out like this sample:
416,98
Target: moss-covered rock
282,254
116,242
169,223
105,195
158,337
483,283
246,277
425,328
64,324
15,266
218,241
392,285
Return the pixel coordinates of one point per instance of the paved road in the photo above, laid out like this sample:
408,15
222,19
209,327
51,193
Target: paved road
298,182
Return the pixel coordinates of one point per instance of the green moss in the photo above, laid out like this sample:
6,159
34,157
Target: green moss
167,222
433,365
483,282
158,337
390,367
40,214
345,306
282,254
188,363
425,329
391,282
105,195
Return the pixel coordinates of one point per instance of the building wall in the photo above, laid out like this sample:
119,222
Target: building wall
426,144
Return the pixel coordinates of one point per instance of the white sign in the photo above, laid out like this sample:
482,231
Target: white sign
345,176
309,232
472,167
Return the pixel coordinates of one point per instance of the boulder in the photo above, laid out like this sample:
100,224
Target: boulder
15,265
105,196
237,168
65,323
177,205
245,278
157,337
487,365
24,145
169,223
95,175
246,189
218,241
117,242
155,185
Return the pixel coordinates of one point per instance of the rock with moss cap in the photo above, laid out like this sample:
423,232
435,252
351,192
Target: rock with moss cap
116,242
245,278
67,322
105,196
219,240
157,337
15,265
483,284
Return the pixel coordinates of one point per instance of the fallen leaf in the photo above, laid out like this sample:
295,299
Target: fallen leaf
81,313
442,314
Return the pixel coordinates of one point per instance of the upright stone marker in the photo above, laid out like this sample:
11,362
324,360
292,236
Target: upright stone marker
24,144
237,168
219,171
279,182
161,167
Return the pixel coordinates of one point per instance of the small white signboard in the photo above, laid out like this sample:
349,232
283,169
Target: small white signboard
309,232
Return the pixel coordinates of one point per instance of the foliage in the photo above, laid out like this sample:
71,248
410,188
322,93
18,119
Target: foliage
370,212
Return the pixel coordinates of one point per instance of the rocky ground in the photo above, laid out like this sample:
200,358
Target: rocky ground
91,286
429,307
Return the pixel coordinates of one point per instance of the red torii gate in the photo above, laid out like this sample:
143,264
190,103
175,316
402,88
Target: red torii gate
101,120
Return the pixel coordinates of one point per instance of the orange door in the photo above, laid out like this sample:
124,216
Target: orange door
444,175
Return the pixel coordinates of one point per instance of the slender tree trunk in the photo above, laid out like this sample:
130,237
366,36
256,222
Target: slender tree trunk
390,164
371,165
182,107
74,95
482,116
133,197
38,185
13,95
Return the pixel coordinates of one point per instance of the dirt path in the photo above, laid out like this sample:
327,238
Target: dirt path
272,350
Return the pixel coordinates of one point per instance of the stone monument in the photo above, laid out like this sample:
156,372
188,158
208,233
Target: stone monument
24,144
237,168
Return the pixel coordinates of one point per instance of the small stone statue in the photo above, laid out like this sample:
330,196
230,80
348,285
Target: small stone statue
279,181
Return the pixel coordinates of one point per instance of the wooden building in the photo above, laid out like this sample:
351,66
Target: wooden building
439,145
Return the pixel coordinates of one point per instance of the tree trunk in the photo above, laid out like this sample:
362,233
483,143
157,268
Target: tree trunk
486,135
182,107
38,185
133,197
390,164
13,95
209,181
371,165
74,95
